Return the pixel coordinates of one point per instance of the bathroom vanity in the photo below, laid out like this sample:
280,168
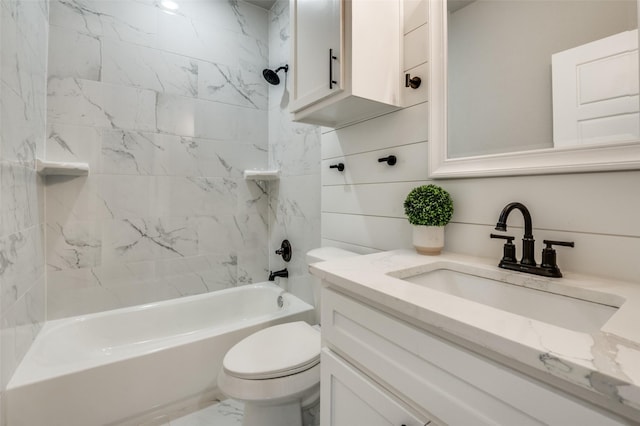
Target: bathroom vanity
452,339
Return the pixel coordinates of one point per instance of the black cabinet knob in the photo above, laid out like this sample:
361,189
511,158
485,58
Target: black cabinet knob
339,166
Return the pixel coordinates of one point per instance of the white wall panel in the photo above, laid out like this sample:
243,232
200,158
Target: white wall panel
398,128
415,47
365,168
415,13
369,231
579,202
382,199
347,246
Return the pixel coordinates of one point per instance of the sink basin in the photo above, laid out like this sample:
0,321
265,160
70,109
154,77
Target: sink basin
560,310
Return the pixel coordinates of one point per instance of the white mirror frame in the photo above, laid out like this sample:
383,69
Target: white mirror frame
625,156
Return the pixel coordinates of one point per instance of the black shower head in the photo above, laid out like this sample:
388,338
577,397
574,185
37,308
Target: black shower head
272,76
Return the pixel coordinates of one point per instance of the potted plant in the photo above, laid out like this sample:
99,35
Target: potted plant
429,208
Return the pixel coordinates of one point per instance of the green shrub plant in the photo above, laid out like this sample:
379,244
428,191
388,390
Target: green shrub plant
428,205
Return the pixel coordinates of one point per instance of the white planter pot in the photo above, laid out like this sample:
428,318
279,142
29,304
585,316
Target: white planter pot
428,239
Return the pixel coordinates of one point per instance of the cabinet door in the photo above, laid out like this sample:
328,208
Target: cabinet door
317,38
348,398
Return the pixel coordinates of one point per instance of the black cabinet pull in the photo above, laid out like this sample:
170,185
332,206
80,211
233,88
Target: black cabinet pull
390,160
331,59
339,166
414,82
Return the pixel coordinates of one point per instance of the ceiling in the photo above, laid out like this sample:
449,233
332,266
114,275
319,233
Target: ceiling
265,4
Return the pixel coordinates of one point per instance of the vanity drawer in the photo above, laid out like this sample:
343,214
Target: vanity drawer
438,377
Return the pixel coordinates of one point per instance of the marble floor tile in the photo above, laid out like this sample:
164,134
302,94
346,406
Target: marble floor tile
226,413
229,413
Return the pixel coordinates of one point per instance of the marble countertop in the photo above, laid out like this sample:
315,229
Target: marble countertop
605,363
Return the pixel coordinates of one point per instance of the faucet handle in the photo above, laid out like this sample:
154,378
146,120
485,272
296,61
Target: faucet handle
508,250
285,250
509,238
549,255
550,243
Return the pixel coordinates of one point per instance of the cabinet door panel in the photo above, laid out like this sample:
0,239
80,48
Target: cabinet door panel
317,28
349,399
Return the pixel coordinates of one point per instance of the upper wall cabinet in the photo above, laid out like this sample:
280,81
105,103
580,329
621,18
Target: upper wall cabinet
346,60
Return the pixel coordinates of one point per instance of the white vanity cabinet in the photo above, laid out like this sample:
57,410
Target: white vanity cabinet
440,381
346,60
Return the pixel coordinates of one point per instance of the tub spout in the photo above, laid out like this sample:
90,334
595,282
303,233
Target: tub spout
282,273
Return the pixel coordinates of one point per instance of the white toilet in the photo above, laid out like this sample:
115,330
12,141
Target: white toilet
276,371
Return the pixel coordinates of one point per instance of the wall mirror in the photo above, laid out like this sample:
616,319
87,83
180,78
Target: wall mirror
533,87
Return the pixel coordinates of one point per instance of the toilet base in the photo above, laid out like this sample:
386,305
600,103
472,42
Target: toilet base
276,415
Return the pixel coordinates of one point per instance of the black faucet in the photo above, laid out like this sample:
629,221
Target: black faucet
283,273
548,268
528,243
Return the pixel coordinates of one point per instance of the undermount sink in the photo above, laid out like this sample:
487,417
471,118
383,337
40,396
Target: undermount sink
557,309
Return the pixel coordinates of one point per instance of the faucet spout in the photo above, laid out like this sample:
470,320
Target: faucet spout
528,243
283,273
502,220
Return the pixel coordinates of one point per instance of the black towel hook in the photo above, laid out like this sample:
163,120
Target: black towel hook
390,160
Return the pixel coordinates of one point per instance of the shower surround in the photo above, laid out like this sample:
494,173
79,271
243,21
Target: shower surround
23,60
168,108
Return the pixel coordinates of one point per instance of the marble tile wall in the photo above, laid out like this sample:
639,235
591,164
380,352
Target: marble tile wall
294,148
23,60
168,109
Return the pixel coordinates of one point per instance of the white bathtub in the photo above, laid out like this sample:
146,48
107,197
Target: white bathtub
120,366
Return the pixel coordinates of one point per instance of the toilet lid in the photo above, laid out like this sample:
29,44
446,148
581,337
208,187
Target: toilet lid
273,352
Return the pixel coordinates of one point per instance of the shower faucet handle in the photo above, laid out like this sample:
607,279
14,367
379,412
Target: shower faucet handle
285,250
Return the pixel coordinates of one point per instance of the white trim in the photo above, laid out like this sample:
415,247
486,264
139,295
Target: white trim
623,156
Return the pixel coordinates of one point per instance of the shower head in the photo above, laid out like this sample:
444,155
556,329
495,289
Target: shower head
272,76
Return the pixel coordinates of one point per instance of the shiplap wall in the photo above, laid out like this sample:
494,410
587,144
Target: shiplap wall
362,206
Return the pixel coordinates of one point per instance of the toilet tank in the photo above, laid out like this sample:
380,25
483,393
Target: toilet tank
320,255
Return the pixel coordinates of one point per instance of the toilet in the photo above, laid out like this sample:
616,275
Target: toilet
275,372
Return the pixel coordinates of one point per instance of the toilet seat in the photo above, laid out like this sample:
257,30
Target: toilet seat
274,352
